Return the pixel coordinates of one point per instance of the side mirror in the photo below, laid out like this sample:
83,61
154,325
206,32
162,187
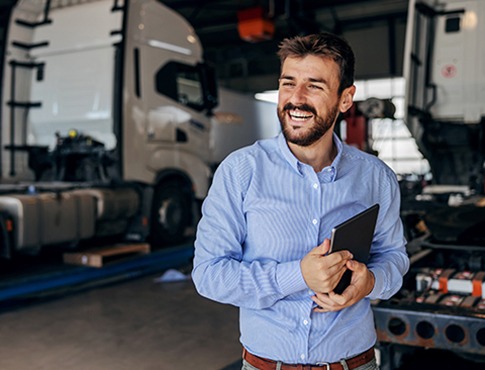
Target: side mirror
209,80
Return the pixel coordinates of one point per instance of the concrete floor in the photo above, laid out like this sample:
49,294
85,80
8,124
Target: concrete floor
138,324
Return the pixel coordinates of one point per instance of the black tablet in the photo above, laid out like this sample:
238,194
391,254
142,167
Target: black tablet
354,235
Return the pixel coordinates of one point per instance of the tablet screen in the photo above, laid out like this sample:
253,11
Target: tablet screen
354,235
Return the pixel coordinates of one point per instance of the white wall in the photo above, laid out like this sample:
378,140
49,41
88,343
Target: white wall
252,120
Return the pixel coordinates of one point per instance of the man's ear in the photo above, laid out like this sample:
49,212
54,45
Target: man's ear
347,98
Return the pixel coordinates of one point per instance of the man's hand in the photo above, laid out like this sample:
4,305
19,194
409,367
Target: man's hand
322,272
360,286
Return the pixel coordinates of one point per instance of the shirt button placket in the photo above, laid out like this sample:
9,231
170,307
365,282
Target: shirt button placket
306,325
316,186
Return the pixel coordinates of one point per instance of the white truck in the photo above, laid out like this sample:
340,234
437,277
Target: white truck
105,124
445,87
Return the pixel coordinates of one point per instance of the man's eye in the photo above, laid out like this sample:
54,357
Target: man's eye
316,87
287,84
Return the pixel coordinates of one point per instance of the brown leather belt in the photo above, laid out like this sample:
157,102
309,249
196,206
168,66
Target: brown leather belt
352,363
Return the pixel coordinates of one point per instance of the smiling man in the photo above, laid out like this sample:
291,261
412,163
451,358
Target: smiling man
262,243
309,104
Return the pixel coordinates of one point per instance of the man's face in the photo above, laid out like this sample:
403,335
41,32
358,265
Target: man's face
308,100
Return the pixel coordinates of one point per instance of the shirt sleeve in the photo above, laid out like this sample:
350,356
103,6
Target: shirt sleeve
220,272
389,261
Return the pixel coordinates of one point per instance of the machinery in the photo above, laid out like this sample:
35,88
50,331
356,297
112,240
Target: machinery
105,124
442,303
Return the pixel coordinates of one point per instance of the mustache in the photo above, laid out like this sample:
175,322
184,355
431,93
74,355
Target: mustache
303,107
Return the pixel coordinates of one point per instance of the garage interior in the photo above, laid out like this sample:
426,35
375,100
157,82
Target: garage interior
114,290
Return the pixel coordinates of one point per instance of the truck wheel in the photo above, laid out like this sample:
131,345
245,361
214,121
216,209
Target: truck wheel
171,214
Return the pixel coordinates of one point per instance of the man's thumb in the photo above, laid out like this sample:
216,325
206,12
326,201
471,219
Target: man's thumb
323,248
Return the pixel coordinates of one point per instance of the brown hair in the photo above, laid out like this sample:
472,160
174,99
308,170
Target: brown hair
326,45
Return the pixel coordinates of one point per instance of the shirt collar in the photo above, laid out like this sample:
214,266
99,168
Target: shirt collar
296,164
287,154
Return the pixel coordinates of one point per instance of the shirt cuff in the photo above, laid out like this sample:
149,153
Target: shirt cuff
380,283
289,278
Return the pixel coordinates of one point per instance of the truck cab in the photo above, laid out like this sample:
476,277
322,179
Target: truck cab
445,88
109,93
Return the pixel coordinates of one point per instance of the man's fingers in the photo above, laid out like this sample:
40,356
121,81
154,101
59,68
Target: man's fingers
346,296
321,299
354,265
322,271
328,302
324,248
337,264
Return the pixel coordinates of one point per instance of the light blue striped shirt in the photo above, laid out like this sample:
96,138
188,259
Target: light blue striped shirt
264,212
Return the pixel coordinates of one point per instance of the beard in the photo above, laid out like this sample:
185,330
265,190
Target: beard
306,136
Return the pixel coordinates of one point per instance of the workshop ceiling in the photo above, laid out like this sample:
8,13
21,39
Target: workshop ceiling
374,28
252,66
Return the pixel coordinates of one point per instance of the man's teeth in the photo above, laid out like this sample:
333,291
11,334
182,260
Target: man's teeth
300,115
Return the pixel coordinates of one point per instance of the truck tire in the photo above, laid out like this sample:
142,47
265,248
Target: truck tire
171,213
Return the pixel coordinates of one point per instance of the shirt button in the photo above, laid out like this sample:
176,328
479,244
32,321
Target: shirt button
314,221
302,356
305,322
315,186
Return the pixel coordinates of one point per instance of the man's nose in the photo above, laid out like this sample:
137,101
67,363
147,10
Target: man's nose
299,95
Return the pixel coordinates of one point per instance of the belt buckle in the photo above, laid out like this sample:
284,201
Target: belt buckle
326,364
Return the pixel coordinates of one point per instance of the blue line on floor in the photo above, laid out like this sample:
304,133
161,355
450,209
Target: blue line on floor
139,266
